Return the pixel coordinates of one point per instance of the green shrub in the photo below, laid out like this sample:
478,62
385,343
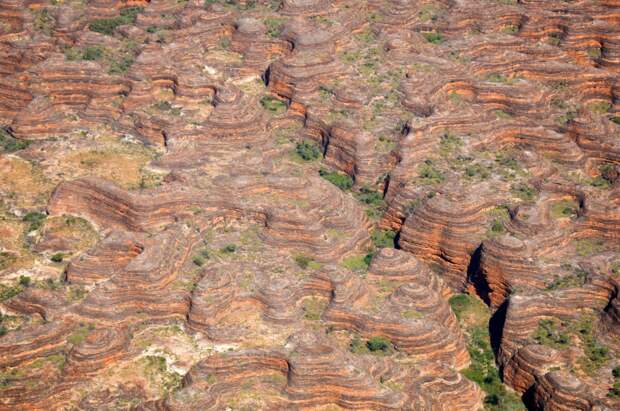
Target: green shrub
92,53
551,334
313,308
274,26
302,261
357,263
372,199
7,292
428,174
120,66
340,180
599,107
224,43
57,258
615,119
273,105
564,208
377,343
79,334
308,150
198,260
229,249
575,279
10,144
35,219
434,37
357,346
524,192
383,238
107,26
24,280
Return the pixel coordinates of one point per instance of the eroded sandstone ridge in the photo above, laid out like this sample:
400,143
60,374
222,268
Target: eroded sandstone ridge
309,204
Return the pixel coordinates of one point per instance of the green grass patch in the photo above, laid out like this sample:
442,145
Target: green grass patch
589,246
383,238
308,150
273,105
375,206
313,308
9,144
79,334
274,26
35,218
358,263
107,26
340,180
428,174
304,262
434,37
564,208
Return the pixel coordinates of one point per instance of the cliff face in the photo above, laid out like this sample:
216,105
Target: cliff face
281,204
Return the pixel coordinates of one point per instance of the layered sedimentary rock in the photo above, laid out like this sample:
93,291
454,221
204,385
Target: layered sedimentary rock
195,197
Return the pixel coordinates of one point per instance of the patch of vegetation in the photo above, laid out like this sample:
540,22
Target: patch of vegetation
24,281
6,260
198,260
157,371
273,105
564,208
224,43
107,26
43,21
552,334
498,78
383,238
373,200
165,106
596,355
379,344
566,118
574,279
374,345
428,174
79,334
10,144
57,258
589,246
303,261
340,180
594,52
359,263
599,107
524,191
474,316
91,53
7,291
308,150
448,143
615,120
35,218
614,391
502,114
274,26
434,37
313,308
229,248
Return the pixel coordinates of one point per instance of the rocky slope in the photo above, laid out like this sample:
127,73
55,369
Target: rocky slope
309,204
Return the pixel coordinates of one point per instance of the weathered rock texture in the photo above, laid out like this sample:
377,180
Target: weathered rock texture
170,237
